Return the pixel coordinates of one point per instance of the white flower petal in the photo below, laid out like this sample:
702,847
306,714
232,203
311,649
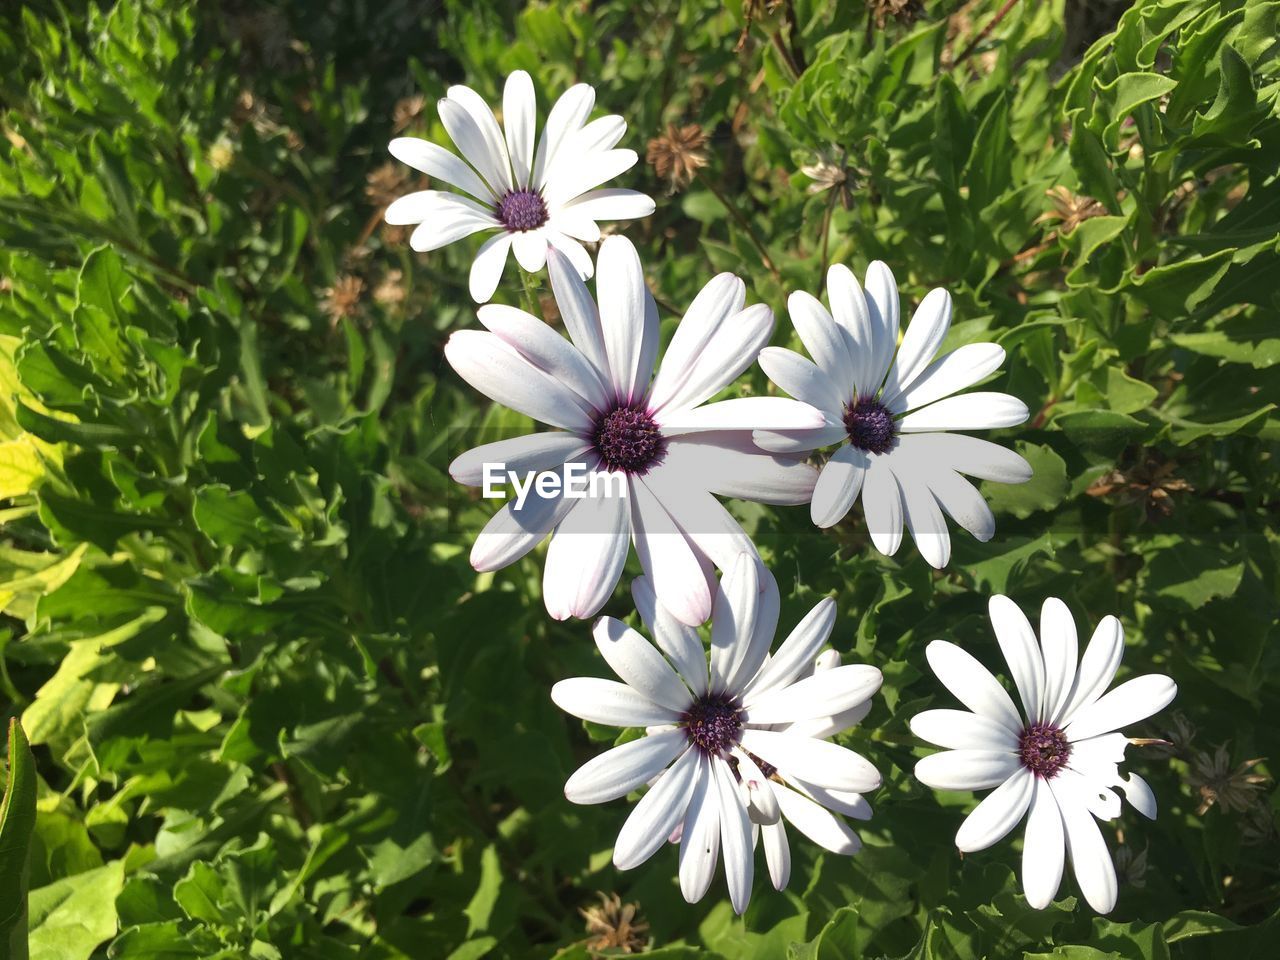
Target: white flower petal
611,203
923,518
849,309
740,413
821,826
839,483
542,346
777,854
967,769
607,701
841,801
735,838
925,333
679,641
800,441
578,310
658,813
511,532
998,813
733,623
700,839
628,318
972,684
719,358
532,452
617,772
1018,644
519,121
667,558
709,526
449,214
1097,667
440,164
822,695
639,665
729,464
574,223
815,761
487,267
472,127
575,174
1128,703
599,135
572,249
825,340
565,121
962,502
1043,848
882,309
500,372
961,730
967,411
796,652
530,248
802,379
882,506
1059,646
957,371
722,297
1090,859
759,790
822,727
1140,796
968,455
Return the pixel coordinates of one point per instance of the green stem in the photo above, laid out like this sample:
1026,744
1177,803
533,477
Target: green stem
530,295
743,222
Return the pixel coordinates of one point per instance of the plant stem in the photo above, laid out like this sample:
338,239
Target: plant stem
984,32
742,222
530,295
826,242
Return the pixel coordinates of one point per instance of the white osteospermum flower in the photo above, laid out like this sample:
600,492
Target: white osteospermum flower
670,450
893,410
534,198
712,734
1058,765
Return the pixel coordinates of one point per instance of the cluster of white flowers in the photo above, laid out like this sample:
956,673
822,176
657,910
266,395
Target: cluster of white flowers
736,744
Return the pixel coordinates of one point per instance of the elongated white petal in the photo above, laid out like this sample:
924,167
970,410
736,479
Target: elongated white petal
1128,703
998,813
700,839
735,838
599,135
957,371
498,370
515,530
882,506
823,338
565,121
519,121
677,640
1090,859
487,267
966,411
849,309
450,215
473,129
763,805
437,162
630,331
571,249
841,801
731,347
639,665
925,333
733,622
572,176
968,455
722,297
923,517
658,813
967,769
882,309
800,441
578,310
667,558
729,464
823,727
1043,848
607,701
821,826
972,684
816,761
545,348
824,694
741,413
802,378
797,651
617,772
962,502
612,203
1018,644
585,558
961,730
1059,646
1097,667
530,248
532,452
777,854
839,483
1140,796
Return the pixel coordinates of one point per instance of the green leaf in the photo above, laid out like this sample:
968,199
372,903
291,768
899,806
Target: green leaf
71,917
1044,491
17,821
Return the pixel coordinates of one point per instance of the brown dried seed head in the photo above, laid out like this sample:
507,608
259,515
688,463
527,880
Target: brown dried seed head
677,155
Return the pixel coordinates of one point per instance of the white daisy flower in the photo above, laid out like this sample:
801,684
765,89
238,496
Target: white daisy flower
667,449
893,410
534,198
1057,764
712,735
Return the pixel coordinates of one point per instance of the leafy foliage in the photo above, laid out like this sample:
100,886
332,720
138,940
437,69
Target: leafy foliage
276,714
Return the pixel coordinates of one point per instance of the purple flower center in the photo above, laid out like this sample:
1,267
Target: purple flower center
713,723
1044,749
627,439
870,425
522,210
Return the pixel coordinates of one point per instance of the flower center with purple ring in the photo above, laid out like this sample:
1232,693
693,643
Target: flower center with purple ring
870,425
713,723
1044,749
522,210
628,439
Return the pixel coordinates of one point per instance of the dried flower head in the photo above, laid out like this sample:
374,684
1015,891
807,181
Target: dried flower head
612,925
1151,483
831,170
902,11
390,291
342,299
1217,783
1259,825
406,111
1070,209
677,155
384,184
1131,866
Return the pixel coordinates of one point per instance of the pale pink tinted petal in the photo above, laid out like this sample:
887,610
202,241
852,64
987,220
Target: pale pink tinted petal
533,452
545,348
667,558
677,640
617,772
511,532
700,839
998,813
585,558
